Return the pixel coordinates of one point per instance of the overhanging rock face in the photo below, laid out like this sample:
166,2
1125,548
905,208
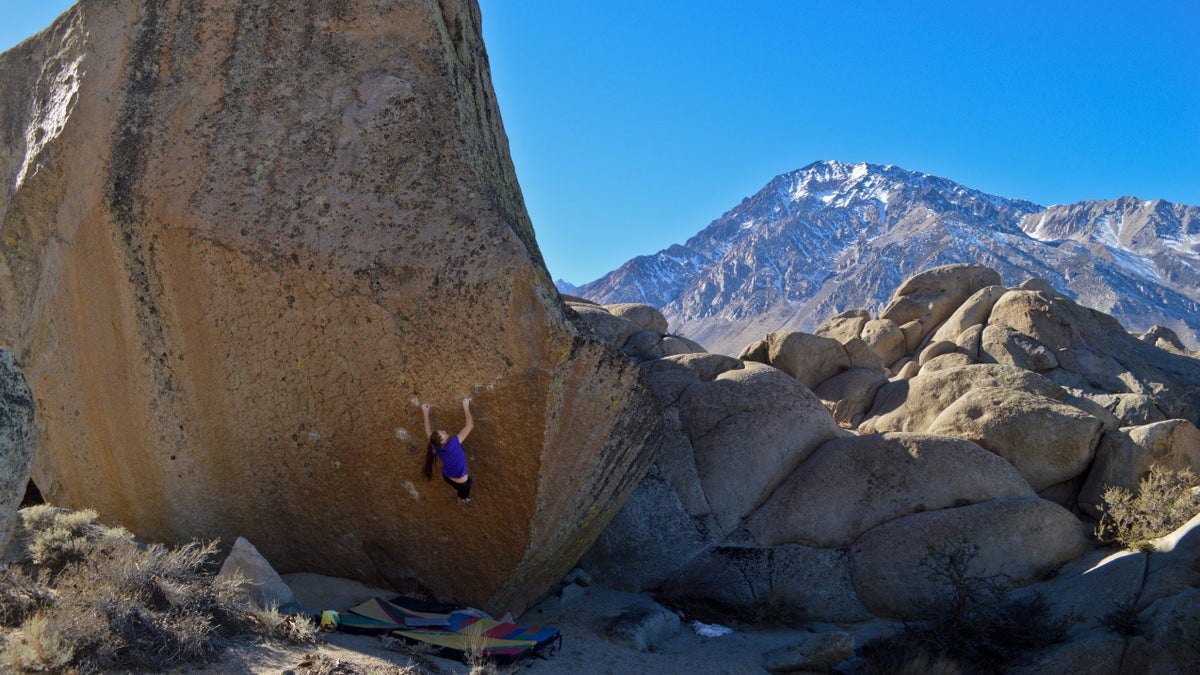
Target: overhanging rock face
242,239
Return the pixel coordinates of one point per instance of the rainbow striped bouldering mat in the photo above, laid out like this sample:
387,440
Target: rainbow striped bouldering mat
448,630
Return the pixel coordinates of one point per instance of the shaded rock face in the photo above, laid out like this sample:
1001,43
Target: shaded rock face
244,239
16,442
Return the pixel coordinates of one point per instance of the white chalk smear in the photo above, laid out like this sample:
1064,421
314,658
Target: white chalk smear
412,490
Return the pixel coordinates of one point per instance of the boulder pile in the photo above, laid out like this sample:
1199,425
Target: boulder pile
818,475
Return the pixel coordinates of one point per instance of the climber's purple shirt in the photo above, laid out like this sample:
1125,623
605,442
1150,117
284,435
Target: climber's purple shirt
454,461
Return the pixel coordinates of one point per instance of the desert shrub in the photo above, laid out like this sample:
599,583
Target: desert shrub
976,627
53,538
1165,500
92,598
20,596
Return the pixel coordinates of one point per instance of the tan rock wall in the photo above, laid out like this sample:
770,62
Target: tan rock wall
262,233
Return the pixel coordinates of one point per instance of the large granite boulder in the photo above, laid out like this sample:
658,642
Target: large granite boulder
792,582
243,238
886,338
853,484
912,405
16,442
893,565
1049,442
973,312
845,326
651,538
750,427
933,295
1096,355
809,358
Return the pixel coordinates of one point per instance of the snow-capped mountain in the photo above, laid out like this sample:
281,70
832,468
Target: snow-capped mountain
835,236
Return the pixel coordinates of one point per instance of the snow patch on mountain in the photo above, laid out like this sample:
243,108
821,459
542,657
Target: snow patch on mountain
833,236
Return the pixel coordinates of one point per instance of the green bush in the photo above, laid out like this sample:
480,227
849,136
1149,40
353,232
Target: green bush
1164,501
88,597
975,627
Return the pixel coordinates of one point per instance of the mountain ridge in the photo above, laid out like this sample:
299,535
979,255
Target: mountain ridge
833,236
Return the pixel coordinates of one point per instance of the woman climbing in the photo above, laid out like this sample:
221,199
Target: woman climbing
450,451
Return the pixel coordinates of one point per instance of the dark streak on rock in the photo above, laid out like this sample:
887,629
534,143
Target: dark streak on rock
130,143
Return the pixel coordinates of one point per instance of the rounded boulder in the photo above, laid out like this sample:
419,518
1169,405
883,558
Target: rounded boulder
1049,442
1017,538
853,484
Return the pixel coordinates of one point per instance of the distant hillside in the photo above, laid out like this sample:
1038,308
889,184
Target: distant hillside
835,236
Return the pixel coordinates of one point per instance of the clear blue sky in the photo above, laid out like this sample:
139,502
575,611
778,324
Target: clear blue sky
633,124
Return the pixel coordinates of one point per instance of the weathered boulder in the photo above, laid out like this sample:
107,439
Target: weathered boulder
862,355
651,538
914,332
257,579
16,442
243,237
853,484
912,405
886,338
1000,344
1096,355
973,312
849,395
1018,538
947,361
1035,284
1130,410
934,350
909,370
1164,338
845,326
1125,456
969,341
671,376
931,296
642,627
648,345
598,323
808,358
750,427
1049,442
791,582
674,345
643,316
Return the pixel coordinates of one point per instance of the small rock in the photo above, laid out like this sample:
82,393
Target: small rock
571,593
578,576
261,582
643,627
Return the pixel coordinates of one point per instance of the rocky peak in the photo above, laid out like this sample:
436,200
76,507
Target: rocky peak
832,235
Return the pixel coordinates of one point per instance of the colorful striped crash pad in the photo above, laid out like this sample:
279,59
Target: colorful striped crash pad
448,630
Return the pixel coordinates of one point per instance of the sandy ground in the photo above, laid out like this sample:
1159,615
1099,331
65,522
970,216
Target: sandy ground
581,618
